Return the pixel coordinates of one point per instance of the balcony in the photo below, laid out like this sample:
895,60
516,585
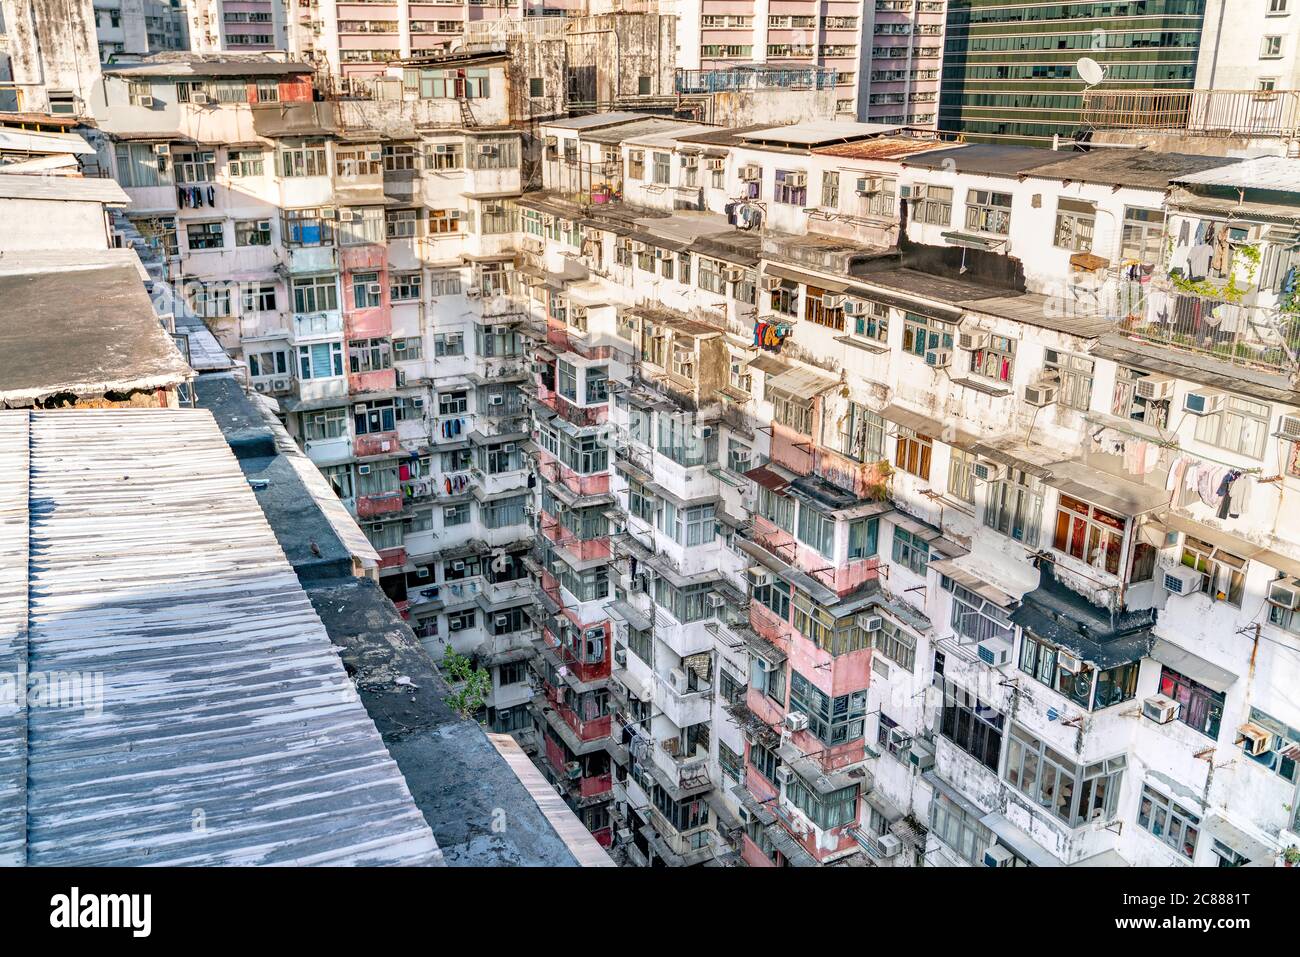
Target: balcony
681,705
378,381
312,259
316,325
578,415
375,443
578,549
1217,113
385,503
554,472
392,557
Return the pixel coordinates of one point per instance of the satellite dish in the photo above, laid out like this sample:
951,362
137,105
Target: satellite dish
1091,71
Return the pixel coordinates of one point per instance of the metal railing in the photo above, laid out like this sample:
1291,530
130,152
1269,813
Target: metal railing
1207,112
750,78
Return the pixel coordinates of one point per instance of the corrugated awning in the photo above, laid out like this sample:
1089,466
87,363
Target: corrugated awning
1019,841
1224,831
794,275
802,382
624,611
952,568
765,477
1109,491
769,365
1193,666
1231,543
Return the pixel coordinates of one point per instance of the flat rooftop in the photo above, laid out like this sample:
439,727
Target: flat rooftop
225,729
80,332
184,63
1140,169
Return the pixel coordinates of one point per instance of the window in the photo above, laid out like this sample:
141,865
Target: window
1159,816
307,227
710,276
510,511
959,830
864,535
831,190
827,811
863,438
817,530
1142,237
1278,8
325,424
1241,427
1073,375
401,156
1075,794
636,164
241,163
194,166
1075,222
1089,534
453,403
988,212
973,726
210,300
315,294
204,235
377,479
340,478
253,232
366,291
911,551
961,480
791,188
305,159
268,363
769,680
777,509
449,344
996,360
1270,48
139,165
791,412
935,207
320,361
912,453
1202,707
1015,507
359,227
401,223
661,167
974,617
536,86
369,355
461,620
824,308
832,721
260,297
888,741
685,604
378,415
454,515
443,156
895,643
403,287
785,298
920,334
1223,575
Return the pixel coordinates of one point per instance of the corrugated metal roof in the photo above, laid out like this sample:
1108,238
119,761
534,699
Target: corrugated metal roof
891,148
1275,173
227,731
816,132
593,121
77,189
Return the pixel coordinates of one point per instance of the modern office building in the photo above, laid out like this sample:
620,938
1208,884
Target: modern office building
1009,69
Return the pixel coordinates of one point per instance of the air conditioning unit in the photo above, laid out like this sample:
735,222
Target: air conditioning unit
938,358
921,754
855,307
971,341
998,856
898,738
363,469
422,572
690,161
508,447
771,283
501,621
868,185
796,721
374,289
162,149
994,652
716,164
757,579
1254,740
985,471
487,149
199,99
890,845
458,566
280,385
1285,593
1067,662
715,600
259,387
750,172
677,680
905,192
1181,580
1288,427
831,301
870,622
784,775
796,180
1205,402
1160,709
1154,387
496,399
733,273
624,834
919,191
1040,395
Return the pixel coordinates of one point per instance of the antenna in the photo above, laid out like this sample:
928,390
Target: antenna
1091,71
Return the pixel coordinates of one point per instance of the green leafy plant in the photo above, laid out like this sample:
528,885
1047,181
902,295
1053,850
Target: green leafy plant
469,685
1291,856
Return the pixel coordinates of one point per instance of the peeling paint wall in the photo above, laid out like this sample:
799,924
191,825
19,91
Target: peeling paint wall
53,47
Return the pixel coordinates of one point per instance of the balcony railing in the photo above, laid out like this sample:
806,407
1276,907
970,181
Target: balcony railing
1271,113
